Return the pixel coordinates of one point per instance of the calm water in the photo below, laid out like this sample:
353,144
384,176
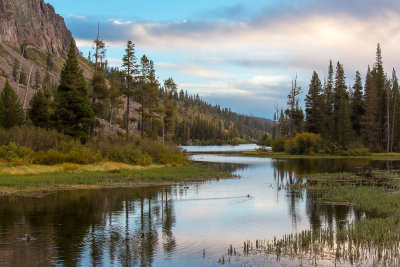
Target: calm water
188,224
227,148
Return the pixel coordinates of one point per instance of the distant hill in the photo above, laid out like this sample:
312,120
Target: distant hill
202,123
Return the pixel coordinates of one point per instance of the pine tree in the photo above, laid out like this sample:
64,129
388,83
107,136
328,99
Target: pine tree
37,80
357,105
170,88
314,106
11,113
40,109
293,111
100,96
395,136
341,108
22,78
115,102
73,113
15,70
328,110
147,96
130,70
46,84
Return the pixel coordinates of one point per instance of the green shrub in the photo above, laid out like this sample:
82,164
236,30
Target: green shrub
303,143
49,157
14,151
265,140
278,145
340,151
129,155
164,153
67,152
32,137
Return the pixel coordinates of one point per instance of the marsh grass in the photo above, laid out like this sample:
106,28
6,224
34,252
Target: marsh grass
98,176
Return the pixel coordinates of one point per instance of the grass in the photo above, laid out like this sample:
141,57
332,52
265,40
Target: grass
34,180
282,155
36,55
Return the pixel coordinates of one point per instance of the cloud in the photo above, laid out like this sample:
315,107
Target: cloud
230,52
75,16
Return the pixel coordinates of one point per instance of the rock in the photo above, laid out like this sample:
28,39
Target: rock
36,23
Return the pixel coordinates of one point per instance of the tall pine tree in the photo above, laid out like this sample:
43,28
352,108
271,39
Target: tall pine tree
314,106
73,113
11,113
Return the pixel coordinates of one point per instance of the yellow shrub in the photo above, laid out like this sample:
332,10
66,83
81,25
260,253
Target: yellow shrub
71,167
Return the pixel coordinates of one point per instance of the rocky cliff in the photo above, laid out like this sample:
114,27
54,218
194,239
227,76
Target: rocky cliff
36,23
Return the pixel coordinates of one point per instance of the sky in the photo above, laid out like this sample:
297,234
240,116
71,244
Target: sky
241,54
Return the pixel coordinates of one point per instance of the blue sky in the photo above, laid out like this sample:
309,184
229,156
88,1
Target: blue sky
241,54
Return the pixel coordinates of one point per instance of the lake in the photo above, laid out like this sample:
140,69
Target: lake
184,224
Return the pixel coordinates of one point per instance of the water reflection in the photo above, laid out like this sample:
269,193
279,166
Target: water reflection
169,225
93,227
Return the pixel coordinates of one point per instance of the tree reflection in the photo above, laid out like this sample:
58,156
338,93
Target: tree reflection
88,227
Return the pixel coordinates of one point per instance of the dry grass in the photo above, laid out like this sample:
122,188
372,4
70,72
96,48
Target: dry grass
100,166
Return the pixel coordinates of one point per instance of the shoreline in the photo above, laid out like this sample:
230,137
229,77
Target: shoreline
41,184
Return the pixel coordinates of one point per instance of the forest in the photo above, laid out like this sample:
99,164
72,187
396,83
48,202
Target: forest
123,101
339,118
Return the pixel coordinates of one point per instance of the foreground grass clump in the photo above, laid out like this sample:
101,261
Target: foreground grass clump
373,239
98,176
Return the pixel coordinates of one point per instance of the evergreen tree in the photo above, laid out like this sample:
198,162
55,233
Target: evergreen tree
22,78
130,70
40,109
293,109
37,80
170,88
395,136
147,96
328,110
11,113
314,106
46,84
15,70
115,101
73,113
341,105
49,62
99,96
357,105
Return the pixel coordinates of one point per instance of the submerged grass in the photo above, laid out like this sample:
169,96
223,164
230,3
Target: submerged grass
93,176
372,240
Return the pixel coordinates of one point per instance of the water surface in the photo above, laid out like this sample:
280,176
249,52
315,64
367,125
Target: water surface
187,223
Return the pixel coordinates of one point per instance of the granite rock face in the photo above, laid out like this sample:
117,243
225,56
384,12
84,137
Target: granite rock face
36,23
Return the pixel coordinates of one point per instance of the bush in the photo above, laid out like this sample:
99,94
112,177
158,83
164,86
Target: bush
129,155
71,167
32,137
303,143
67,152
278,145
12,152
164,154
49,157
340,151
265,140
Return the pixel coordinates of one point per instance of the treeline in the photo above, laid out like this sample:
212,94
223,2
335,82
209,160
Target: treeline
165,113
346,117
199,122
